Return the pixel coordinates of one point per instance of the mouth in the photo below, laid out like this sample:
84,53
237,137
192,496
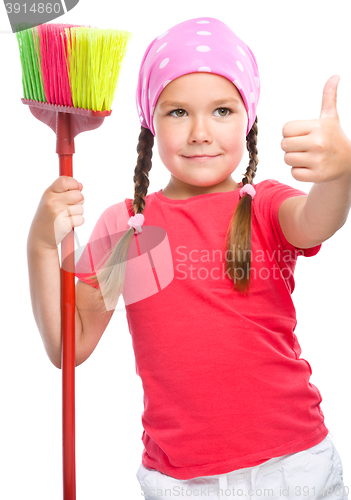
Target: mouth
201,157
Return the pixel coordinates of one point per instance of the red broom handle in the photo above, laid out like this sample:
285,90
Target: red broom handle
65,150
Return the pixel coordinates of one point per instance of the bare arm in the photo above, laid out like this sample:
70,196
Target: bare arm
45,291
50,225
326,209
307,221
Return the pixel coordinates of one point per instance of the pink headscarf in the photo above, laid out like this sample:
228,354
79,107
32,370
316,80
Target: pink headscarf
203,44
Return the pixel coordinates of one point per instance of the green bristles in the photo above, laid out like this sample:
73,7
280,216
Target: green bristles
95,57
31,74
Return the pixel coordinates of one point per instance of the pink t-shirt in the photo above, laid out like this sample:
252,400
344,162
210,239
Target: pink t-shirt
224,385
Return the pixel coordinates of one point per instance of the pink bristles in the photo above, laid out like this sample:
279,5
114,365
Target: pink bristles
53,52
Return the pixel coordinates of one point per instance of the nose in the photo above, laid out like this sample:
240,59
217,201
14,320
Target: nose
200,131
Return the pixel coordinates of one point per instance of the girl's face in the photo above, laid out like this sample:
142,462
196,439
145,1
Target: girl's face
200,114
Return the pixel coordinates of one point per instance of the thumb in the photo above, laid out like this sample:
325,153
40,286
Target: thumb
329,98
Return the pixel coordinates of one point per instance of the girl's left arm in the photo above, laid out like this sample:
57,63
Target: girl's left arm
319,152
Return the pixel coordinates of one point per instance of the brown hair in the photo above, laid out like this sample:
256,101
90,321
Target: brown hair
238,238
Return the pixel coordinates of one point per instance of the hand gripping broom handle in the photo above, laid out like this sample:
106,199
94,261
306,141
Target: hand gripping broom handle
65,150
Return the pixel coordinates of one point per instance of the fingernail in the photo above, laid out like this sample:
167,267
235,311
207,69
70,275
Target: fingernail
80,186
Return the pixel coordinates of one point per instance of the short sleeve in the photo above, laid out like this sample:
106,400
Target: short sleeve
107,231
270,196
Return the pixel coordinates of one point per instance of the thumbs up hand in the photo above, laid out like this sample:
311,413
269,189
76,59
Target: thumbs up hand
318,150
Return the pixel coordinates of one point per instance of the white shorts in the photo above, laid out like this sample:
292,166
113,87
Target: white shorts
315,473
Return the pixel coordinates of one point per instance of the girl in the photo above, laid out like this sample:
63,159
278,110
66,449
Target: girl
205,267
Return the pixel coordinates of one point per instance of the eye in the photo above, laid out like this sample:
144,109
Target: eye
226,109
175,110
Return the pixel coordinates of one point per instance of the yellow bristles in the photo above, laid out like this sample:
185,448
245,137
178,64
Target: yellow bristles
94,61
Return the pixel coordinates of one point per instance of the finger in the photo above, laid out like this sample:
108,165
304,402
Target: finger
298,159
74,214
303,174
299,143
65,183
76,209
328,108
298,127
71,197
70,217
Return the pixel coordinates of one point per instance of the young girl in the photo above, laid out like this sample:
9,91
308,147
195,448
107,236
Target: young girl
205,267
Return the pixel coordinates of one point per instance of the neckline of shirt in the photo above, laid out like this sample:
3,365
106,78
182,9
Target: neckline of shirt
164,198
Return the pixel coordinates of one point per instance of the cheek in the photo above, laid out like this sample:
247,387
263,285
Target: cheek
233,142
168,143
235,133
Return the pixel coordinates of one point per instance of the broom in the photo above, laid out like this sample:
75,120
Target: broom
69,77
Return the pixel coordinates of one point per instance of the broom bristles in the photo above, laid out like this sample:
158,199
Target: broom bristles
31,81
72,65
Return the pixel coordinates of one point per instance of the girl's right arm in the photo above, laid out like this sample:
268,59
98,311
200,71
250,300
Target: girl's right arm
45,286
50,225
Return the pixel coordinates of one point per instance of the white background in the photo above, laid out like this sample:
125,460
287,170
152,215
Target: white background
298,46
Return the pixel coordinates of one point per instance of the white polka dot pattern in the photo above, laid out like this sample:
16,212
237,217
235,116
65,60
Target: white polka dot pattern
186,48
164,63
240,66
161,36
237,84
162,47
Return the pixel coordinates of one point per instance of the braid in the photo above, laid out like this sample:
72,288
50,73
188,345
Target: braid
251,145
239,231
142,169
